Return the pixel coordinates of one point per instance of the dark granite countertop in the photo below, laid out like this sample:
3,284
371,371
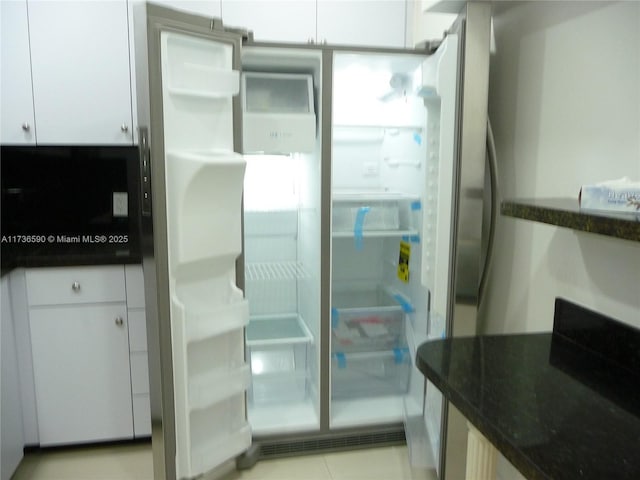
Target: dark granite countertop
68,255
559,405
566,212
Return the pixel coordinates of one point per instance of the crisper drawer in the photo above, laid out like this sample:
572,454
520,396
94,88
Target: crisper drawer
73,285
366,320
367,329
368,374
354,216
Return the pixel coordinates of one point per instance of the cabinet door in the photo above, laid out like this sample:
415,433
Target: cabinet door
81,370
80,66
376,23
11,432
16,100
273,21
208,8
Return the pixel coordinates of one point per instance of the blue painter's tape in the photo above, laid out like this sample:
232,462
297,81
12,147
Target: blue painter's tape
405,238
398,355
335,316
342,360
359,226
417,138
414,239
406,305
417,205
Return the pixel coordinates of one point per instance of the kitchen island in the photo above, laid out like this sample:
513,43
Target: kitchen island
557,405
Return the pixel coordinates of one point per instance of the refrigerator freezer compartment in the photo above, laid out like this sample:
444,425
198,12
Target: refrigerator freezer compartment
367,374
278,113
198,67
208,389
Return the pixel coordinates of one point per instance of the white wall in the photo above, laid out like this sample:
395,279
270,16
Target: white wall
565,105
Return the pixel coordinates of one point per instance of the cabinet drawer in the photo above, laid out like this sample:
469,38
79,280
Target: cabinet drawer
72,285
137,331
139,373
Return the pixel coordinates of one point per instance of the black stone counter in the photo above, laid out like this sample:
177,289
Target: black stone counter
565,212
68,255
559,405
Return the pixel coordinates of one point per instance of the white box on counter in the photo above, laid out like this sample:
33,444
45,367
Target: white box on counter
620,195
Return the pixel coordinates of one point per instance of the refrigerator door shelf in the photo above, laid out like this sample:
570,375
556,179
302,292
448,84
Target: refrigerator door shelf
202,324
216,434
421,453
204,192
210,388
199,67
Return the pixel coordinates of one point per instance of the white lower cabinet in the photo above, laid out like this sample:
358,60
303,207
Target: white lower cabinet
81,371
89,353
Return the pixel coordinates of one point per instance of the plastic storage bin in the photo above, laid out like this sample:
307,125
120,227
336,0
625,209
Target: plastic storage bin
370,374
364,321
363,216
277,350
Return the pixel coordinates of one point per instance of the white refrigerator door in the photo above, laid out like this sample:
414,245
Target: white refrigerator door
204,179
423,404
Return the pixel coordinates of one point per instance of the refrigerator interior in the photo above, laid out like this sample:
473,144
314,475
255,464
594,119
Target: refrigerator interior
388,231
282,253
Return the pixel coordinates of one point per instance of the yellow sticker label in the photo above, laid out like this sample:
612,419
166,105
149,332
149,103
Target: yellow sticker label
403,261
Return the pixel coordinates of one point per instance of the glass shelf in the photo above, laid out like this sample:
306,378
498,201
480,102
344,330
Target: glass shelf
566,212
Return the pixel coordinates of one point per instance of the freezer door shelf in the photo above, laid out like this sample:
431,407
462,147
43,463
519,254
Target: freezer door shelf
370,373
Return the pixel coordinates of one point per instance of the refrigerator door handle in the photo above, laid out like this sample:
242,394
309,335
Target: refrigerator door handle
493,177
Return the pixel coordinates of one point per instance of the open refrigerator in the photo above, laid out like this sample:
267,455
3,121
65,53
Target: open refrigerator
301,213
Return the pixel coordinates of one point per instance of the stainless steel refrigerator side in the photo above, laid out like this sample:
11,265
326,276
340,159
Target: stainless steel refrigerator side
325,244
475,26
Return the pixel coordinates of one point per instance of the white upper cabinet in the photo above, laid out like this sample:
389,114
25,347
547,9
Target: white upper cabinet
17,124
80,68
273,21
372,23
208,8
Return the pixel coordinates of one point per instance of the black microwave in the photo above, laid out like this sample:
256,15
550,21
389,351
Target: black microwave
61,199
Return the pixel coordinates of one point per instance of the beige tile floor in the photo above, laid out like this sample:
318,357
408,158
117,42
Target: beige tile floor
133,462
